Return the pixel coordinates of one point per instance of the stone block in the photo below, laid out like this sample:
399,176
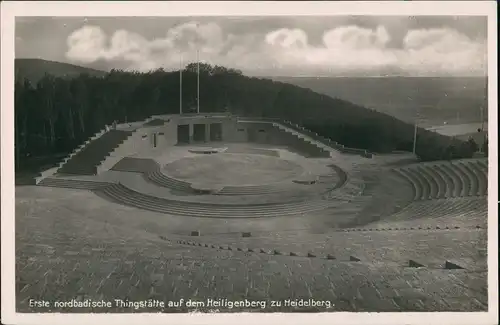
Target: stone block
452,266
412,263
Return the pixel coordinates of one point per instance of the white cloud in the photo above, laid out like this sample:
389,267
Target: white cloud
443,50
287,38
356,38
284,51
86,44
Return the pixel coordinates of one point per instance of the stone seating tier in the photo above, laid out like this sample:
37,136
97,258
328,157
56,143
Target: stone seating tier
446,179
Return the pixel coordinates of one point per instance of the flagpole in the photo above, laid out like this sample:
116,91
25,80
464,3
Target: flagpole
482,129
198,83
16,129
415,135
482,118
180,85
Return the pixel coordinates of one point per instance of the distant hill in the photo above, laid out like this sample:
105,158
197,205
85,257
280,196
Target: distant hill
437,99
34,69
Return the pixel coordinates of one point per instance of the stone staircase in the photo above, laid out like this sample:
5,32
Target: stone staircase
73,184
320,141
52,171
128,147
86,161
304,138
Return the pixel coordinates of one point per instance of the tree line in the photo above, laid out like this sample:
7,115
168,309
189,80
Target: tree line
54,115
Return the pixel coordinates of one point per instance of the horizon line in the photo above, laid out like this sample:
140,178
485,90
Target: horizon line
274,76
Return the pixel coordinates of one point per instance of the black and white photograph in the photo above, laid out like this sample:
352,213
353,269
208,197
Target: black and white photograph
250,160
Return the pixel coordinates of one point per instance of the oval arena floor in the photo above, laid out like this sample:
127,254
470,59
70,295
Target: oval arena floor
259,223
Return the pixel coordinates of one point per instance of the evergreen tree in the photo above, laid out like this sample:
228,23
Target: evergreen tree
56,114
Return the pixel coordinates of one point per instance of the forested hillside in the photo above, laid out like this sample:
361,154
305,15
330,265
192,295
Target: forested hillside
54,114
35,69
454,100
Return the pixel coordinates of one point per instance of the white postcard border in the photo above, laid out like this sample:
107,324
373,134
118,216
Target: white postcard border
9,10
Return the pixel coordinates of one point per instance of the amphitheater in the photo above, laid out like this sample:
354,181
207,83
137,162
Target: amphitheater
199,206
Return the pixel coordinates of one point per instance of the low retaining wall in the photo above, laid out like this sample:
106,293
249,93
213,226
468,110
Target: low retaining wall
267,133
325,141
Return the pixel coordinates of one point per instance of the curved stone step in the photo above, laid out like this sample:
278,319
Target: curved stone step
440,181
457,180
160,179
417,191
124,195
466,178
432,184
482,163
250,190
422,184
450,183
437,208
473,178
482,178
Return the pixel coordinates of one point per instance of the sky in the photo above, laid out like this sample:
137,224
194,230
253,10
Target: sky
264,46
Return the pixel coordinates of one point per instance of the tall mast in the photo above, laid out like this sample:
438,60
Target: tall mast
415,134
482,129
198,81
482,118
180,85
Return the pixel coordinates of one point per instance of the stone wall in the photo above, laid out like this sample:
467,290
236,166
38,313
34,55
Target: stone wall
267,133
